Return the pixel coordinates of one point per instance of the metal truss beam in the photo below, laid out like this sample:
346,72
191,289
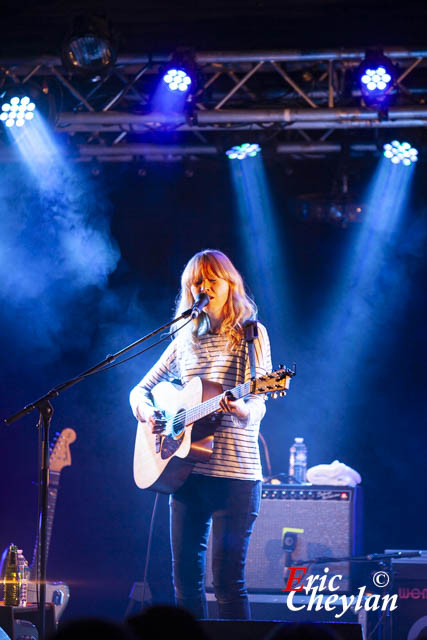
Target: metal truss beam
166,153
294,55
290,118
224,57
146,150
152,150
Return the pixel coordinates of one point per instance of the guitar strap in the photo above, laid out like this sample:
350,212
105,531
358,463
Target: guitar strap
250,333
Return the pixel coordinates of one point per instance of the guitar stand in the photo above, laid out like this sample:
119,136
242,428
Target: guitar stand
18,622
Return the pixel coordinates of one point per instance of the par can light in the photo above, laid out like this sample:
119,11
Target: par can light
177,80
376,75
401,152
16,111
91,45
242,151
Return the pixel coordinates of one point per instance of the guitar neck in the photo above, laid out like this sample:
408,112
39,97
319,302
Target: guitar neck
210,406
52,496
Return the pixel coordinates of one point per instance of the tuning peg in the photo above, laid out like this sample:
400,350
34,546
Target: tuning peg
274,395
282,394
281,366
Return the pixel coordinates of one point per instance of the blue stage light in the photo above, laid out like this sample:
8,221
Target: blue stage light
17,111
242,151
177,80
400,152
376,75
376,79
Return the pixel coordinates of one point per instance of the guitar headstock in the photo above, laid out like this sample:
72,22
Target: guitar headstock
60,456
275,383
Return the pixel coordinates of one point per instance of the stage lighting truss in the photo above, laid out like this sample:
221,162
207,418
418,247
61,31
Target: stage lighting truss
242,151
299,100
400,152
17,111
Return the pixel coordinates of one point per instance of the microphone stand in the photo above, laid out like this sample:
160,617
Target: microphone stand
45,408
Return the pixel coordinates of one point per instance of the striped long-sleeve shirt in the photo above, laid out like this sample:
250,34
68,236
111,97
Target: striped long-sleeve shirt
236,451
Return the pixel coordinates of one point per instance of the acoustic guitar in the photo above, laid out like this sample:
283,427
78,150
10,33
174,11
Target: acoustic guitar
163,462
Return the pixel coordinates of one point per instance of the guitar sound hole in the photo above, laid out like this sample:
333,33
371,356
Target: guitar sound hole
171,443
178,423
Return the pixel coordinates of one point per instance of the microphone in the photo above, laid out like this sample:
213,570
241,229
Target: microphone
199,303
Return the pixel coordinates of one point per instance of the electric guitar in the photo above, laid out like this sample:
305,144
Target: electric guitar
56,592
163,462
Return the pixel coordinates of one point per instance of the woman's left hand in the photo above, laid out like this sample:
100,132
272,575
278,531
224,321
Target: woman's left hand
237,408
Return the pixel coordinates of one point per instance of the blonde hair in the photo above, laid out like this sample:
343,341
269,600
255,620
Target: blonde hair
238,308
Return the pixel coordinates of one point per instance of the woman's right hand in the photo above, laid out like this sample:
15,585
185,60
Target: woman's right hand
154,418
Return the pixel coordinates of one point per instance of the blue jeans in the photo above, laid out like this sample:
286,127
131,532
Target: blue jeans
231,506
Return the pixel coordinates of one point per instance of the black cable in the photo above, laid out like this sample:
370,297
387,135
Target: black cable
116,364
156,499
378,624
138,353
147,557
36,569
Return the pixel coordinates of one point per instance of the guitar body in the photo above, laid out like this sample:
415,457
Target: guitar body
56,592
163,463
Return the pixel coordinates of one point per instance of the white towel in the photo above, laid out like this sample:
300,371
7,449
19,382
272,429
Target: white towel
336,473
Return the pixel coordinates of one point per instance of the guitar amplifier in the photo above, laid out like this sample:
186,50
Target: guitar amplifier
297,524
409,621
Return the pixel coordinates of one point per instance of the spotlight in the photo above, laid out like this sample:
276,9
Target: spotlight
16,110
376,79
242,151
90,48
400,152
177,80
376,75
180,73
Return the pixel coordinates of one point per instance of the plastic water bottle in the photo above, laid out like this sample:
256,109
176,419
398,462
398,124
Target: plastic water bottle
24,576
11,578
298,460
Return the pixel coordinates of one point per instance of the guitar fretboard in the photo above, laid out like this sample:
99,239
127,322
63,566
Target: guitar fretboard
51,504
210,406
